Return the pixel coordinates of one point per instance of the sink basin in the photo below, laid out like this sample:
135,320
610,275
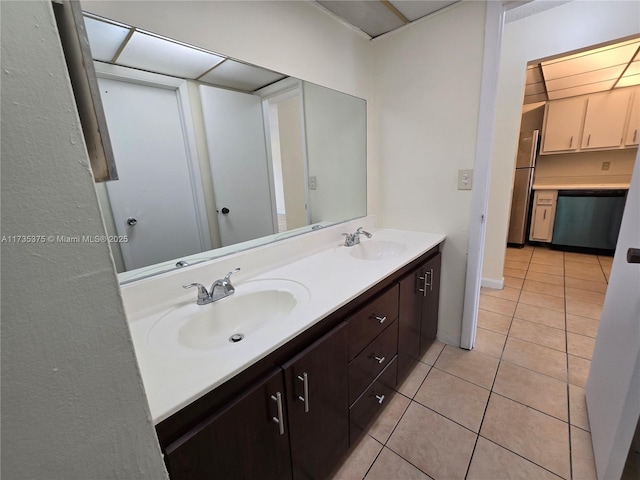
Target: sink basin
376,249
192,329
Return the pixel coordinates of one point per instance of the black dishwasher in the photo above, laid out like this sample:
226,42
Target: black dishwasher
588,219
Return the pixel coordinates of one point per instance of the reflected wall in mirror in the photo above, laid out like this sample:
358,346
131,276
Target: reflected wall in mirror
216,156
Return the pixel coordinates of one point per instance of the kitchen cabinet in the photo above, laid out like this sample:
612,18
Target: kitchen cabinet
563,123
632,136
220,447
418,319
543,216
317,405
605,119
295,413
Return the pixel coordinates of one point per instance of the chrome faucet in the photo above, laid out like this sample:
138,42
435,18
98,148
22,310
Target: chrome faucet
352,239
221,288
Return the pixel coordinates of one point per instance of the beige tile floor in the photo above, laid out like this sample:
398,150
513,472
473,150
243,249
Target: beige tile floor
512,408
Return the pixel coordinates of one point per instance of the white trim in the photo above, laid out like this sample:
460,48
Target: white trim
179,85
492,283
494,20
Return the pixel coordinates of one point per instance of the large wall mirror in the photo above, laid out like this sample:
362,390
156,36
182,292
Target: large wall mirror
215,155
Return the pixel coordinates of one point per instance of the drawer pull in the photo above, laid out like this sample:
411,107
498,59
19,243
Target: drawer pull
380,399
378,359
279,419
304,378
380,320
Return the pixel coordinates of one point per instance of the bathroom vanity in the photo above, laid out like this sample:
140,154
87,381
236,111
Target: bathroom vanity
289,400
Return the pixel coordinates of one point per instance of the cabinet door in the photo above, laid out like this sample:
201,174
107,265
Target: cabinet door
409,322
541,224
242,441
563,125
429,319
317,405
632,138
605,119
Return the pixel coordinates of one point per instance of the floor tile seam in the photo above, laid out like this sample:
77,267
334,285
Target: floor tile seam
375,459
538,344
460,378
585,302
531,407
590,279
537,323
521,456
397,423
434,362
542,293
536,371
566,337
491,311
450,419
537,306
408,461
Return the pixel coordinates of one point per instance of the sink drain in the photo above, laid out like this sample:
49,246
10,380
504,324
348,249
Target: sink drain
236,337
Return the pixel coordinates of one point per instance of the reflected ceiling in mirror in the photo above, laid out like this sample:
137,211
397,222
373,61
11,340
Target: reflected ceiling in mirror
215,155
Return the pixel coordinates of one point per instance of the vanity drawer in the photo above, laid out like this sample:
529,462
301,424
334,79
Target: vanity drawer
372,401
371,320
372,360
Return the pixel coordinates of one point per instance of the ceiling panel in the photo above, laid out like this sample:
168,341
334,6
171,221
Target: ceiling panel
156,54
372,17
628,81
634,69
588,61
104,38
414,10
595,76
581,90
232,74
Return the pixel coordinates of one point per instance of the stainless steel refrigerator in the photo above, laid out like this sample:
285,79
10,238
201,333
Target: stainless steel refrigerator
520,201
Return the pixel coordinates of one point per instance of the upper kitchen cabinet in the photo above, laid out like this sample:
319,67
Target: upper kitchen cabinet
605,119
632,137
563,125
600,121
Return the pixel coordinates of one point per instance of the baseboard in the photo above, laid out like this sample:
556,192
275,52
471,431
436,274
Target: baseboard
492,283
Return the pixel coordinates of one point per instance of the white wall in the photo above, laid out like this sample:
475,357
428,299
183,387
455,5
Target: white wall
570,26
73,405
427,94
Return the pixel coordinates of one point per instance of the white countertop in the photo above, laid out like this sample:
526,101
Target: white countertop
581,186
316,260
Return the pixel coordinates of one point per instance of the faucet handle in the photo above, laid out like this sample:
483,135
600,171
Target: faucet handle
228,275
203,294
361,230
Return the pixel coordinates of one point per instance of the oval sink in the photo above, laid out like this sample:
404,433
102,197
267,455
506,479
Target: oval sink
191,328
376,249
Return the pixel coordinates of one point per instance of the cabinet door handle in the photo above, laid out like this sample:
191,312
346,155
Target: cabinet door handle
426,284
380,399
380,320
280,418
635,135
304,378
544,214
378,358
571,141
588,140
430,283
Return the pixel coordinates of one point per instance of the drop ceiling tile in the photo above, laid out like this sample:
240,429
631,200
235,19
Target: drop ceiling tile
414,10
581,90
634,69
587,61
104,38
232,74
629,81
595,76
373,18
156,54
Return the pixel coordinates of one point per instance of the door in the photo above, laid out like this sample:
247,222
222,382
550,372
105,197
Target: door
317,405
155,202
613,387
563,124
632,136
520,205
430,307
238,157
243,441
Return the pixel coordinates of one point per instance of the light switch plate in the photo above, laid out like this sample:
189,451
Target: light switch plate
313,183
465,179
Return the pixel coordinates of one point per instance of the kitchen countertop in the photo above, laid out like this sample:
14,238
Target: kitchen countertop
173,380
581,186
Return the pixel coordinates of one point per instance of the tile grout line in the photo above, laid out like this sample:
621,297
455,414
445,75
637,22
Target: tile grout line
566,336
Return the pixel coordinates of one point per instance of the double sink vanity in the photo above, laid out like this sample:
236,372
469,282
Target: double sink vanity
280,377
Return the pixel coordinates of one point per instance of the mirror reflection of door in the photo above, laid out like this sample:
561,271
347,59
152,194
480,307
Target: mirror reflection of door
156,202
285,144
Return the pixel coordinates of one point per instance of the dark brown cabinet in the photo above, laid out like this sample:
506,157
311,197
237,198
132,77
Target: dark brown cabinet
295,413
317,405
418,312
247,439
